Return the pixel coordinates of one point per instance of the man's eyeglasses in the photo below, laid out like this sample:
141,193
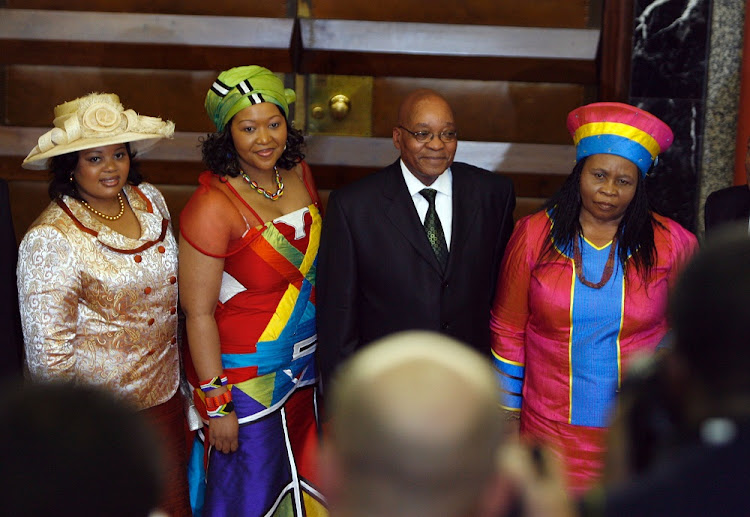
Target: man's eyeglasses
447,135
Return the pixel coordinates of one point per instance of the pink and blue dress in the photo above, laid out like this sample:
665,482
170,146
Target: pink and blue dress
561,348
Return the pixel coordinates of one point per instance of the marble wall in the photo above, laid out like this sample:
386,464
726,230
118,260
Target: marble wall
722,98
668,78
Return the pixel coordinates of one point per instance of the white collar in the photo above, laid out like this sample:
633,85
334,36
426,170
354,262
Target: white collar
443,183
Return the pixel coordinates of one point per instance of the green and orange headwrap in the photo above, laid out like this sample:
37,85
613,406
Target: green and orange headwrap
237,88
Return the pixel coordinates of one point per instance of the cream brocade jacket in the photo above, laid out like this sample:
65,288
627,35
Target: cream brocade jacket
98,307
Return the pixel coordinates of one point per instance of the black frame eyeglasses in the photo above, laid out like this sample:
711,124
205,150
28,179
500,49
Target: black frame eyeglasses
446,136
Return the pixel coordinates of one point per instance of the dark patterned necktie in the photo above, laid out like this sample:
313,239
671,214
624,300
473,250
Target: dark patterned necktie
434,229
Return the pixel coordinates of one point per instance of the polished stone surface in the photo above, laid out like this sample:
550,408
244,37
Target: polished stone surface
670,47
673,180
722,98
668,79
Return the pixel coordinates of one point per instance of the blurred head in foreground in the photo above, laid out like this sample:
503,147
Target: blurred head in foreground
75,450
415,430
710,310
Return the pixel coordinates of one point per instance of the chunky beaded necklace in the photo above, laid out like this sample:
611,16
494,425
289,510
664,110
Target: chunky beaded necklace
263,192
103,215
608,267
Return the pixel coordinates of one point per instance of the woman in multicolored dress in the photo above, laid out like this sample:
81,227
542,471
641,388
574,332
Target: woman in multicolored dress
583,288
97,272
249,241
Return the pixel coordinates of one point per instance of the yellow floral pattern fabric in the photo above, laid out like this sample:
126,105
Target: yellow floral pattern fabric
98,307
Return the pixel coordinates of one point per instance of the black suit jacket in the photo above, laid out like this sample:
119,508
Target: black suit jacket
727,205
377,273
696,480
11,341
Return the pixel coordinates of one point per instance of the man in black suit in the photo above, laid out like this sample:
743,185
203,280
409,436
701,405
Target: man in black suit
378,270
11,342
729,204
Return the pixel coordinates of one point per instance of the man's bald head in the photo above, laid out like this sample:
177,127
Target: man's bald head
415,425
413,99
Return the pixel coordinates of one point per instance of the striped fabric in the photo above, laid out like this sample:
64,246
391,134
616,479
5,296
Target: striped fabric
619,129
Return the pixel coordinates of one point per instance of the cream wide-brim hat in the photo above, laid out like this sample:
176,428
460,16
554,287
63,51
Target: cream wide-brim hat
95,120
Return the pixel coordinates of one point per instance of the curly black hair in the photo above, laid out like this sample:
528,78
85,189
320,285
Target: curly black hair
635,233
61,172
220,156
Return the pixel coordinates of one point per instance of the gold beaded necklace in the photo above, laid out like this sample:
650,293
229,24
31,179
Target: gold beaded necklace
105,216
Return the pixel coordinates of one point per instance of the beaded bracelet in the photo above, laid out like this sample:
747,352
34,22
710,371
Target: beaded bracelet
221,411
214,402
212,384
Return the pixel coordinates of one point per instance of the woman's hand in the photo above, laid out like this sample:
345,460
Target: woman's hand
223,432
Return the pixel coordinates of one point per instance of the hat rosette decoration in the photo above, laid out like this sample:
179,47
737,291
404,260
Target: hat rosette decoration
95,120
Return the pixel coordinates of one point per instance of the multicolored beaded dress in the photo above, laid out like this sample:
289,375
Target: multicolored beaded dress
266,321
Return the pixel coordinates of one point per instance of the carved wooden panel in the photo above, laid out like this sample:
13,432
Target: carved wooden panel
135,40
178,95
536,13
356,47
492,111
273,9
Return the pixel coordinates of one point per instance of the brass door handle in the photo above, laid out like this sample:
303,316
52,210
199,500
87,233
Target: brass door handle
339,106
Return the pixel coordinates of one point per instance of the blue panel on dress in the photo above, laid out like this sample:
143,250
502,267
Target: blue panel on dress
596,318
510,379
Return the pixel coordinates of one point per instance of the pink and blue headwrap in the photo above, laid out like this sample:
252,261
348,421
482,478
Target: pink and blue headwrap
619,129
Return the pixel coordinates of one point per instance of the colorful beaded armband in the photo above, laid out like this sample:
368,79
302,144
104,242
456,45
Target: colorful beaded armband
221,411
214,402
212,384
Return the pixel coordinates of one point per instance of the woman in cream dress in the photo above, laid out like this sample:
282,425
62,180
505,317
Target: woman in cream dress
97,271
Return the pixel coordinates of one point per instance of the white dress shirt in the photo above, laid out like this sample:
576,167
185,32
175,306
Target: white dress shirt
443,200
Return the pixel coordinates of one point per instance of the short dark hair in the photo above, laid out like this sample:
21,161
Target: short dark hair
710,312
62,166
220,156
75,450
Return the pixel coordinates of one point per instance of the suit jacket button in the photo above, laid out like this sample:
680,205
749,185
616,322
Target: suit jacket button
445,325
445,284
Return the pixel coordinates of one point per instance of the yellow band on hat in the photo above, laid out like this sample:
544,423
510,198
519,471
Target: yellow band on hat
619,129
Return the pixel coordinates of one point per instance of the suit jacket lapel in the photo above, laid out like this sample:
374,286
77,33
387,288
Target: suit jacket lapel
464,213
400,211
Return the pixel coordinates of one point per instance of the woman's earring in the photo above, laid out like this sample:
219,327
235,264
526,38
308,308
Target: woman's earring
71,177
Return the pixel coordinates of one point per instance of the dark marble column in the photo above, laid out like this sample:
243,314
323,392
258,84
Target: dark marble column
668,79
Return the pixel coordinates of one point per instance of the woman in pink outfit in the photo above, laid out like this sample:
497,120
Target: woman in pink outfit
583,288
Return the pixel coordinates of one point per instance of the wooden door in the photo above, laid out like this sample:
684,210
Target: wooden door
511,70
